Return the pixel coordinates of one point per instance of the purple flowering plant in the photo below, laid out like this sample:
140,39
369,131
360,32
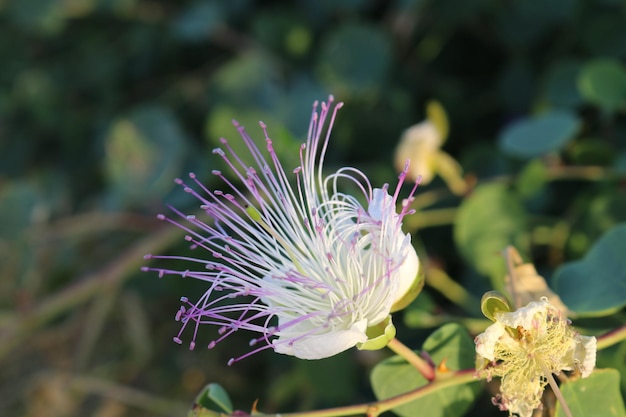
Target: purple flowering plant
311,268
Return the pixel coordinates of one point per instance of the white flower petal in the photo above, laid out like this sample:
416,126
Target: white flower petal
585,354
520,407
323,345
486,341
528,317
381,205
407,272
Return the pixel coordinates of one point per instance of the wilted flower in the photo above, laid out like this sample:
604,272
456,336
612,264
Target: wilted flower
308,267
524,347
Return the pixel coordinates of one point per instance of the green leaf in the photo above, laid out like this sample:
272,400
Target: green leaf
355,59
214,397
532,178
597,395
219,124
491,219
603,82
536,136
596,285
144,153
249,81
395,376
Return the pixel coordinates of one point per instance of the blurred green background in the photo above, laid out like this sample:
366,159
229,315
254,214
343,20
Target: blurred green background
104,102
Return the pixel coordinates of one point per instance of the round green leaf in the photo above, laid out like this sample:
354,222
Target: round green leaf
597,395
603,82
596,285
536,136
248,81
491,219
395,376
144,152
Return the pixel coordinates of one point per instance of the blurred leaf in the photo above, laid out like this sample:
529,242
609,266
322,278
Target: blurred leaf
295,104
395,376
488,221
198,21
144,153
603,82
355,59
283,30
421,312
220,125
595,285
535,136
45,16
613,357
524,23
596,395
248,81
532,178
561,88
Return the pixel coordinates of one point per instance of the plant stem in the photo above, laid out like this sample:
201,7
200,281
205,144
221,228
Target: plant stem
555,388
414,359
438,279
611,338
374,409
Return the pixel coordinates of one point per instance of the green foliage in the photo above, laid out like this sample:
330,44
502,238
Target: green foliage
488,221
603,82
536,136
449,344
355,59
596,285
597,395
105,102
136,167
213,397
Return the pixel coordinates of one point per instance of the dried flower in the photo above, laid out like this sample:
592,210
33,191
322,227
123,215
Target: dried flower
309,268
524,347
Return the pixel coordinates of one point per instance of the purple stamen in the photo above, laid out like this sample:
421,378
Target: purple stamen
307,261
